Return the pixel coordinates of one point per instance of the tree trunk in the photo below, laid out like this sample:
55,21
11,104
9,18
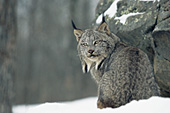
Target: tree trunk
7,43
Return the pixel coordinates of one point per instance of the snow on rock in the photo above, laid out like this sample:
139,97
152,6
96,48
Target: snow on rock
88,105
124,17
110,12
150,0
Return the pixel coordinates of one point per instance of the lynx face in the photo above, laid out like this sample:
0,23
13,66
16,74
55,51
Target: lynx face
94,45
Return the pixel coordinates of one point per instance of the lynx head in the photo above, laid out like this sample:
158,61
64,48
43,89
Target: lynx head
94,45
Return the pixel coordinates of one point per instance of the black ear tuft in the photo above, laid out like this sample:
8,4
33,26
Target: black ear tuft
73,24
103,18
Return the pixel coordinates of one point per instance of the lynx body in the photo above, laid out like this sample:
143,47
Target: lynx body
123,73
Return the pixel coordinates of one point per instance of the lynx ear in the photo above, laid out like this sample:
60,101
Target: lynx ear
77,32
104,27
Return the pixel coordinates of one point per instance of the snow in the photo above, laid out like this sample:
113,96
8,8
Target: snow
110,12
22,108
124,17
151,0
88,105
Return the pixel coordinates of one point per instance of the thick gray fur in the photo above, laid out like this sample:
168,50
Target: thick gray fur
123,73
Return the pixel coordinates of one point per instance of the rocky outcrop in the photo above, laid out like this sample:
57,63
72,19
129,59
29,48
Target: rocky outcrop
147,26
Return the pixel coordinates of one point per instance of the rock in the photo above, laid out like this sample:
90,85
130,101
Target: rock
103,6
148,29
162,42
164,12
161,38
162,70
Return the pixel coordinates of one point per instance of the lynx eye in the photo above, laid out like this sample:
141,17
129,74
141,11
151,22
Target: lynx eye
97,42
84,44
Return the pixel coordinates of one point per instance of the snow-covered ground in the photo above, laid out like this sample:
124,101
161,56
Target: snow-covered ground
88,105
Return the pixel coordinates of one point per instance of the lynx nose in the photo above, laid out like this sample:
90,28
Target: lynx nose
90,51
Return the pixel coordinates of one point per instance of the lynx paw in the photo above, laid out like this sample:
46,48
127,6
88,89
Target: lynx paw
100,104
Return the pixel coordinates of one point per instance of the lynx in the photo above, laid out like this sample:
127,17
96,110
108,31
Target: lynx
123,73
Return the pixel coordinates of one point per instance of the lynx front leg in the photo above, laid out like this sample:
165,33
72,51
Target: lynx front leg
100,101
113,93
100,104
103,99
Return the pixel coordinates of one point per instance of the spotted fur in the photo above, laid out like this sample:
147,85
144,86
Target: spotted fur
123,73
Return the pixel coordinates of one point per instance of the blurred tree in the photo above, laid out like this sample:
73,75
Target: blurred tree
7,45
48,68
